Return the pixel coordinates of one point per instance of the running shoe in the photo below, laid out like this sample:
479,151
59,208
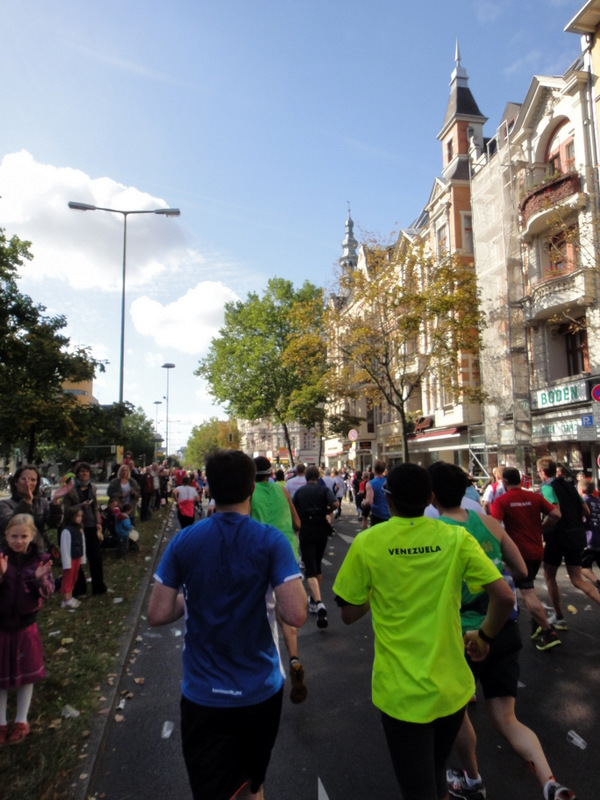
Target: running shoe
458,786
312,606
558,622
71,603
298,691
535,629
558,792
322,616
547,640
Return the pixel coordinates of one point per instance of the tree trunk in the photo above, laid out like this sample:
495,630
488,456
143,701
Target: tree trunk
404,434
286,434
31,447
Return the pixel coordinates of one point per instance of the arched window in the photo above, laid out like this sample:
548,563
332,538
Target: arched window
560,156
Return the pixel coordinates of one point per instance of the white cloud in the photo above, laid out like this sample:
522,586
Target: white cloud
85,248
187,324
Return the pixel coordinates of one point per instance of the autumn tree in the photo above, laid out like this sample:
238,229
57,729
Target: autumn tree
247,369
36,359
401,318
210,435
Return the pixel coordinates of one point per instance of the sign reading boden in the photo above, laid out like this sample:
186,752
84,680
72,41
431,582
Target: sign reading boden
561,395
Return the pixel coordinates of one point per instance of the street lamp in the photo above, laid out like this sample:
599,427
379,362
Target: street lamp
168,366
166,212
157,403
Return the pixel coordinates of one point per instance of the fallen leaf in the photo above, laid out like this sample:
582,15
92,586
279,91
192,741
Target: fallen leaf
139,681
119,718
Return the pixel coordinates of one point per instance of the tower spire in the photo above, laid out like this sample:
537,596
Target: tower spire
349,258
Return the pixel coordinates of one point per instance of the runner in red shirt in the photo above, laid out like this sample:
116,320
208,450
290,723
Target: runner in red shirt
521,512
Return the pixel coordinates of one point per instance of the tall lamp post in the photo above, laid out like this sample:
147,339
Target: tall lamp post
168,366
166,212
157,403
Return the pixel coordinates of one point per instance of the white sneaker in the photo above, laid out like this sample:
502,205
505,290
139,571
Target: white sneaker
71,603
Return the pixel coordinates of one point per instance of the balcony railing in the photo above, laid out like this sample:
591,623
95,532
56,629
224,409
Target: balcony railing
549,194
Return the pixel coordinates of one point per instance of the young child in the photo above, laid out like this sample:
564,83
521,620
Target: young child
123,526
72,554
25,581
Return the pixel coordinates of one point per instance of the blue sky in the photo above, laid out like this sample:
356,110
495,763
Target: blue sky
260,120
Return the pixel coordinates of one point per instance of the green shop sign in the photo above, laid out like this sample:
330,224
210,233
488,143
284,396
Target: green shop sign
561,395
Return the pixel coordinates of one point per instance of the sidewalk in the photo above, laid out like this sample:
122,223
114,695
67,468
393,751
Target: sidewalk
96,744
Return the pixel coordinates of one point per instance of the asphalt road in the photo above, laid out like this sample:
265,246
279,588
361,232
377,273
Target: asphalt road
331,747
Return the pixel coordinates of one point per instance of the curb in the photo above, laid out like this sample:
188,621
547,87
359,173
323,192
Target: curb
96,743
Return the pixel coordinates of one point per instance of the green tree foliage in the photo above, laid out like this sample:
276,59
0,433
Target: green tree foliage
210,435
36,359
103,432
406,316
246,367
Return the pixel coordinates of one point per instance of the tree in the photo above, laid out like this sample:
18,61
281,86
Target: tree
36,359
210,435
104,430
406,317
245,367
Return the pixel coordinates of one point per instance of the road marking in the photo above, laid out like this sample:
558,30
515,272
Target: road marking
322,793
346,538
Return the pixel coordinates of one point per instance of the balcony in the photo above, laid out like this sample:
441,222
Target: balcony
558,290
563,194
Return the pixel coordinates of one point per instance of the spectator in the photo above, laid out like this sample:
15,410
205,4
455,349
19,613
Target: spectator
83,493
26,499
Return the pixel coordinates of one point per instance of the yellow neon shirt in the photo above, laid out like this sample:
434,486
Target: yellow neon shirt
412,571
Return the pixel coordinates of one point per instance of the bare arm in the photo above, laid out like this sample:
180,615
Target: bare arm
552,518
295,518
368,494
501,602
511,554
291,602
166,605
352,613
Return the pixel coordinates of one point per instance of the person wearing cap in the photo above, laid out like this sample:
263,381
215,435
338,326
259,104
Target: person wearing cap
271,504
409,572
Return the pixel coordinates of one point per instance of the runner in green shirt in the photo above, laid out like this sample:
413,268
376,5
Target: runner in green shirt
408,572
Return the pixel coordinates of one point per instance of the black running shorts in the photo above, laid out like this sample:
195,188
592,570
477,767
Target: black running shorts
225,747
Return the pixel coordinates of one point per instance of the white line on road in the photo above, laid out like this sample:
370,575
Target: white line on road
322,793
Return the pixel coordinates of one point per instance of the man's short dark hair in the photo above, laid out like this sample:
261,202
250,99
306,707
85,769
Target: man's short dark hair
230,475
300,468
409,486
380,467
511,475
83,465
312,473
449,483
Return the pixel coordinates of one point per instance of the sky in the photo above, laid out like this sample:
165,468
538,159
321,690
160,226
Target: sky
263,121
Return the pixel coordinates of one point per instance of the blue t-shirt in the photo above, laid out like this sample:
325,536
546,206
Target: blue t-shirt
227,566
379,506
